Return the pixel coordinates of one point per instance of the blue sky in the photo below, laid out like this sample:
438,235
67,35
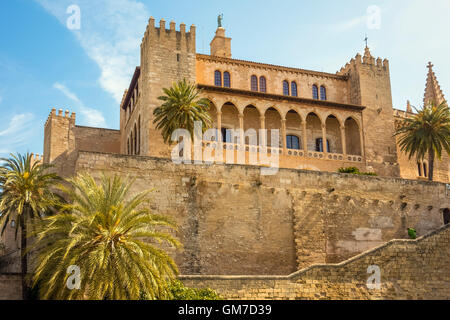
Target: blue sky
43,64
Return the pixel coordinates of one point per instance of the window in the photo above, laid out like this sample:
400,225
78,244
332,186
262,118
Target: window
292,142
13,223
285,88
226,137
425,170
323,93
419,169
294,91
254,83
319,145
315,92
262,84
226,80
218,78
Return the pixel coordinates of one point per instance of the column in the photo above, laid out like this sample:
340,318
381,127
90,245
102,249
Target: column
241,127
283,135
263,137
304,138
219,126
343,141
361,142
324,138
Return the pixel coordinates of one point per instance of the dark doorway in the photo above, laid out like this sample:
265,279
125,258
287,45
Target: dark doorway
446,214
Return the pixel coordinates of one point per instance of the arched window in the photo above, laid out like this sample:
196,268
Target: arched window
254,83
226,79
294,91
419,169
425,170
285,88
446,216
262,84
319,145
128,145
323,93
218,78
315,92
292,142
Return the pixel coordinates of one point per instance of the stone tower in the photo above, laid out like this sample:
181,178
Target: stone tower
221,45
167,56
433,92
370,86
59,139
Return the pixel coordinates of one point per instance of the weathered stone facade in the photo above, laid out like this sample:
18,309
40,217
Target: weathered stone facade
234,221
409,269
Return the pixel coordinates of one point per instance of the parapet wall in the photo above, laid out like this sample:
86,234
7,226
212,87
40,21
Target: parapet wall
233,221
409,269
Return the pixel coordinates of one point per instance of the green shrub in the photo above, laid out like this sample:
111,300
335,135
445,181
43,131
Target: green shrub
354,170
177,291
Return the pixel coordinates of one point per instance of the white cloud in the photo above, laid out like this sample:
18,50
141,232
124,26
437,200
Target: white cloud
92,117
111,33
19,131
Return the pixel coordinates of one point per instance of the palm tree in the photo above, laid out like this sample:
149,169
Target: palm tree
426,133
112,238
25,194
181,108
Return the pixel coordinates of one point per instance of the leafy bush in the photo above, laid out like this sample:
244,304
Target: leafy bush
354,170
178,291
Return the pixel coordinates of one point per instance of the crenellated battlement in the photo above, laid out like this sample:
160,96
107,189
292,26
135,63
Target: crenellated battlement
183,40
35,157
67,115
366,60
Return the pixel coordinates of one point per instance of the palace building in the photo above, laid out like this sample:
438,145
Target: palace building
306,232
326,121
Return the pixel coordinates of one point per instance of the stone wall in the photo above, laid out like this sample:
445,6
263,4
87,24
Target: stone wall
10,287
232,220
409,269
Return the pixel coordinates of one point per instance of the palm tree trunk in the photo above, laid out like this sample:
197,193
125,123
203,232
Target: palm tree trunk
24,260
431,164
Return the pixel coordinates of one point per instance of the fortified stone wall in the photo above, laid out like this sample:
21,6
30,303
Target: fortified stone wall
409,269
234,221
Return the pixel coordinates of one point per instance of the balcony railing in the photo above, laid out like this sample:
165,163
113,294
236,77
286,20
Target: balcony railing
289,152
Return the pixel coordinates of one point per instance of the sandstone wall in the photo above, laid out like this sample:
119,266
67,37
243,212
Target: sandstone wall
241,72
10,287
409,269
232,220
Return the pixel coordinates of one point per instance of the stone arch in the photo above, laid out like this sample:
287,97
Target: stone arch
313,130
230,116
333,128
273,122
294,125
353,137
251,120
213,113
